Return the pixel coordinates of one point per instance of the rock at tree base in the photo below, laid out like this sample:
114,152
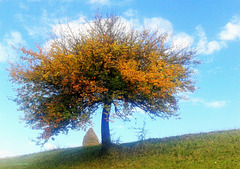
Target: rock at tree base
90,138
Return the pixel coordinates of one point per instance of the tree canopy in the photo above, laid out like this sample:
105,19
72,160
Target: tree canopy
61,85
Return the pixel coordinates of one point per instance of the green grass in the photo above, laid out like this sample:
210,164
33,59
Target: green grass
207,150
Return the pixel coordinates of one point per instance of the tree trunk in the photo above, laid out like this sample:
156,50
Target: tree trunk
105,132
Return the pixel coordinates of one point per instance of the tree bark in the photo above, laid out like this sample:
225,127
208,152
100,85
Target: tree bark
105,132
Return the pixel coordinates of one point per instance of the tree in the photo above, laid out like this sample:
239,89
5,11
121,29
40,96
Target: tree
108,65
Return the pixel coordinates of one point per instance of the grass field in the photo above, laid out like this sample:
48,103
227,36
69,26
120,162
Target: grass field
206,150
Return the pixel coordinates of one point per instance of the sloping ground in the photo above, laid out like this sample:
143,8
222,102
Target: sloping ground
209,150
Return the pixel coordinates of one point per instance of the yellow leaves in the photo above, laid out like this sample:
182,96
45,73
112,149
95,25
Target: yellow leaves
155,78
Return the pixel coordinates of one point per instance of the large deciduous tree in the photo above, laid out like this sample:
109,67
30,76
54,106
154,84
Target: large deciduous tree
104,65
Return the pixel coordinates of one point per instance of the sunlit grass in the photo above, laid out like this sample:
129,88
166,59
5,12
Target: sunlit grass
209,150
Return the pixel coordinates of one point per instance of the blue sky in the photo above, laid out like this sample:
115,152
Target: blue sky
212,26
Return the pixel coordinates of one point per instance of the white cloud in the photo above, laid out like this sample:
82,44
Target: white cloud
13,39
153,24
211,104
231,31
182,40
206,47
203,44
213,46
160,24
66,32
76,26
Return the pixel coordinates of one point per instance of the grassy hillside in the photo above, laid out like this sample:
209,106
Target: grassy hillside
209,150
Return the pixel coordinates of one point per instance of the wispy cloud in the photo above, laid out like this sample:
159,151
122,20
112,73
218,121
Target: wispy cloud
39,27
207,47
215,70
130,13
13,39
216,104
210,104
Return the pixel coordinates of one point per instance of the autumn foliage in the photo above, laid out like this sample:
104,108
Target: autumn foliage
60,88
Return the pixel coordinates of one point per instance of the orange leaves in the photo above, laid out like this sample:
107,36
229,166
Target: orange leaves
59,120
47,133
63,86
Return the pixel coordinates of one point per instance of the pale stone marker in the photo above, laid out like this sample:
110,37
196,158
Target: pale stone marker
90,138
